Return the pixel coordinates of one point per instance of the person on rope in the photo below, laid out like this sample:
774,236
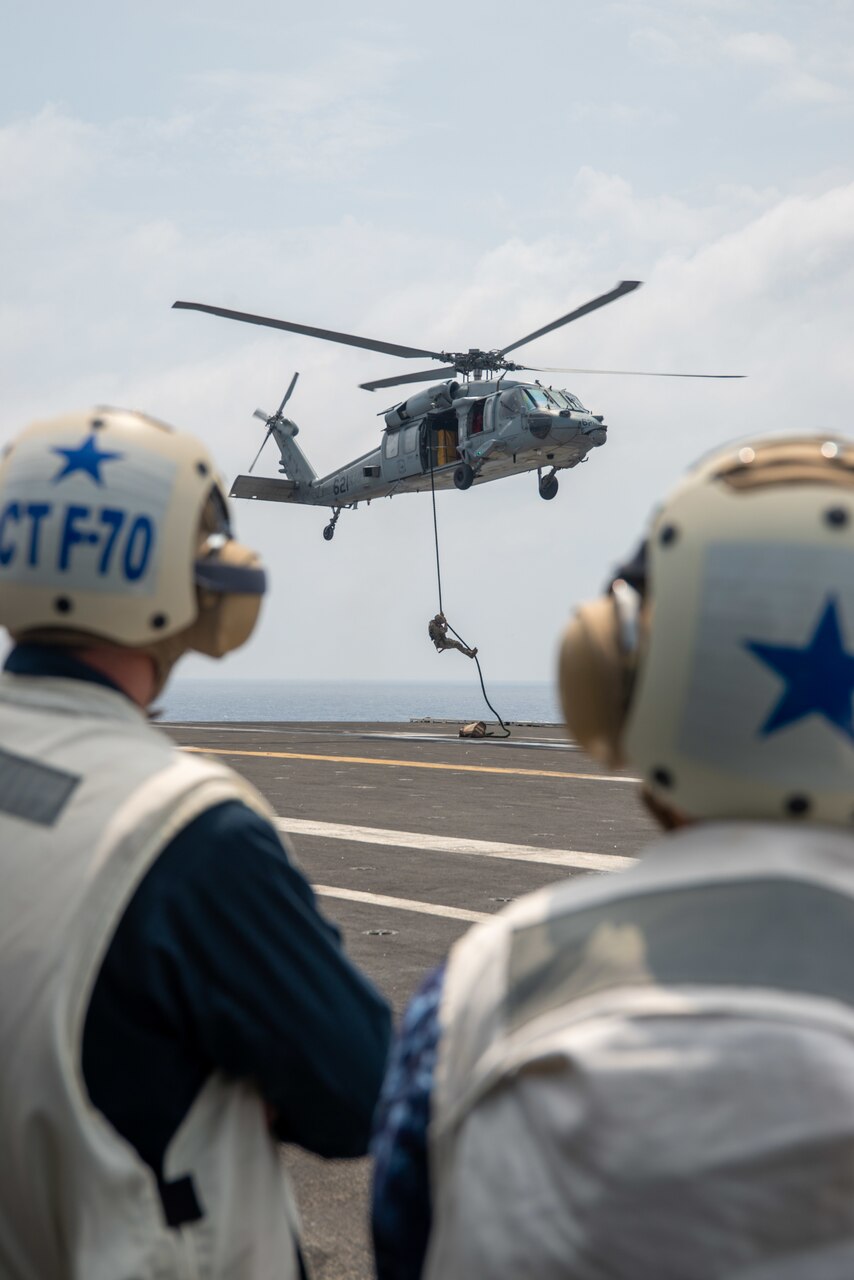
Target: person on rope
437,629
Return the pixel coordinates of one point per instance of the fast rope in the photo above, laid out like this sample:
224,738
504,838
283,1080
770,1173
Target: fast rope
506,733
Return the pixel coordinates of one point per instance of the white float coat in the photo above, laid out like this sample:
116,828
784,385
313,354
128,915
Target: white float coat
97,794
652,1073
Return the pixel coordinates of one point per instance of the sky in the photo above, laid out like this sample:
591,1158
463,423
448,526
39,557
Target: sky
450,176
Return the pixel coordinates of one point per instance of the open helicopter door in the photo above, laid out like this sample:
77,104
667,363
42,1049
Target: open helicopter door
474,425
439,439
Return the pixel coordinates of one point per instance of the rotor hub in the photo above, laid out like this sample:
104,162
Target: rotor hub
474,360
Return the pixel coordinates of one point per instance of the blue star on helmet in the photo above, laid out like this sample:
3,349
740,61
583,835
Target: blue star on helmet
86,458
819,677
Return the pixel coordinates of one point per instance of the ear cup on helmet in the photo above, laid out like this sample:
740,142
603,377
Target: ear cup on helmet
593,673
227,619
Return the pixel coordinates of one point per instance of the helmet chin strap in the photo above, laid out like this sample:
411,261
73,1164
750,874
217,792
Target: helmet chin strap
667,818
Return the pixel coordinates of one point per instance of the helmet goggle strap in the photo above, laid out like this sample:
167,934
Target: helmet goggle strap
215,515
223,574
628,602
627,592
634,571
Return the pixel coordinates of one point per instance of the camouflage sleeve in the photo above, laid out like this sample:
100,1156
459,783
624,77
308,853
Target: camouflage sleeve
401,1211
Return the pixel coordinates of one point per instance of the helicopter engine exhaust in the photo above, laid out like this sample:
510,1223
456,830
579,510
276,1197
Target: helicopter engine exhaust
416,406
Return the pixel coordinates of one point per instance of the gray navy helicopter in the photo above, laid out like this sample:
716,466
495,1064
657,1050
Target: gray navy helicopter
475,426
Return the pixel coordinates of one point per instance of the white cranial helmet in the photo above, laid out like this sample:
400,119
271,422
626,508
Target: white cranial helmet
721,662
114,527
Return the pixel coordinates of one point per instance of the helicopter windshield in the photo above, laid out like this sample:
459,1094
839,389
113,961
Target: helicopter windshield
539,398
567,400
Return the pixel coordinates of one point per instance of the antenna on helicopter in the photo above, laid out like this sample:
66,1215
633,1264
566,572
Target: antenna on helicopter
272,419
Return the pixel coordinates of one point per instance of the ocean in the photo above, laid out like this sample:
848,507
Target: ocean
397,701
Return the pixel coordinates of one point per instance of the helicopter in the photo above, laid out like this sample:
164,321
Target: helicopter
474,426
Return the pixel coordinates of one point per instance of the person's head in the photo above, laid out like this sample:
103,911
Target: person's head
720,662
115,534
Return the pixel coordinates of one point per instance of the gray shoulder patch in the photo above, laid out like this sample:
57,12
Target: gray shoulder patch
33,791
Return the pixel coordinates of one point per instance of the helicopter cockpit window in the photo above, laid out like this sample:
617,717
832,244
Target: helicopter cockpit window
539,398
567,400
572,401
410,438
512,400
392,444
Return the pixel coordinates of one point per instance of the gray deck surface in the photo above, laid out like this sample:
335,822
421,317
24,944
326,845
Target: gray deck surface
374,776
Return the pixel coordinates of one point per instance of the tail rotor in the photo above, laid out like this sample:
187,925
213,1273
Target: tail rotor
272,419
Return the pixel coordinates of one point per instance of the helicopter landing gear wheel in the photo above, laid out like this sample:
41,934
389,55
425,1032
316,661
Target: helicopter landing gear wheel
329,531
548,487
464,476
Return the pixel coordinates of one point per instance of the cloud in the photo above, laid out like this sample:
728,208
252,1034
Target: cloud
319,120
813,69
607,200
766,48
347,71
802,87
43,152
318,123
795,83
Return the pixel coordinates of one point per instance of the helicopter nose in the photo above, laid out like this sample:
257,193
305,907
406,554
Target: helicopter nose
595,430
565,427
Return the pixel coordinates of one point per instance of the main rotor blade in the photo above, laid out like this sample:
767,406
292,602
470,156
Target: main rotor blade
633,373
287,395
426,375
625,286
330,335
263,442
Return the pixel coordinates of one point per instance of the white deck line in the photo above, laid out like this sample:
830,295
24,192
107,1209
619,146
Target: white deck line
535,744
576,858
401,904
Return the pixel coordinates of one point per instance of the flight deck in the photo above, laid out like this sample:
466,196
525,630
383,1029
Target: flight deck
409,835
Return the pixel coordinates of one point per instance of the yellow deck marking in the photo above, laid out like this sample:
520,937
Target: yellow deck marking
412,764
